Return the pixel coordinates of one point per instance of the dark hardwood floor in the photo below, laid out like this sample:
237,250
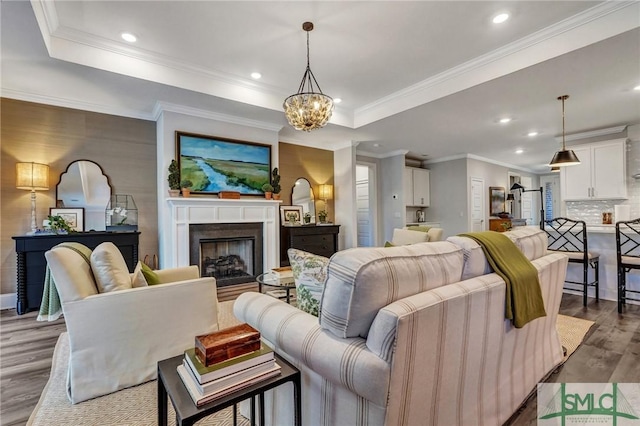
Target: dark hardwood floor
610,353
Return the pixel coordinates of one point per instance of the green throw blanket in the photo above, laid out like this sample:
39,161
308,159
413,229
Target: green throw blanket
51,307
523,295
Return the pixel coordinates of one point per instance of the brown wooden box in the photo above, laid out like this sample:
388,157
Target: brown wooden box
234,195
227,343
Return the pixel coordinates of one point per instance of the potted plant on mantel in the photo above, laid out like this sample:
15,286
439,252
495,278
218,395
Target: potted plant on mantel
275,183
174,179
268,190
186,187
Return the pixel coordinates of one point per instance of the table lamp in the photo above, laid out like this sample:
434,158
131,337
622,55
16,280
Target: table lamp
325,192
32,177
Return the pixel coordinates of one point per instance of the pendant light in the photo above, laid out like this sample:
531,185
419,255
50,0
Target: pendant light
307,109
566,157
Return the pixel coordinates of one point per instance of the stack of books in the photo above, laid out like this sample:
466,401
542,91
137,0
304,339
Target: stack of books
207,381
284,274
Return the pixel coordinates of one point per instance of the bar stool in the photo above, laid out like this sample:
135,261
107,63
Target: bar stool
569,237
628,256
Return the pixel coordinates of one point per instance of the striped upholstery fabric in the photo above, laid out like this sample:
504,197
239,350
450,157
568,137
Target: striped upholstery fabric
360,281
442,356
531,240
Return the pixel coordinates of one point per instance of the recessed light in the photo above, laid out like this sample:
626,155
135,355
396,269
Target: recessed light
500,18
532,134
505,120
256,75
376,145
637,88
337,100
519,151
129,37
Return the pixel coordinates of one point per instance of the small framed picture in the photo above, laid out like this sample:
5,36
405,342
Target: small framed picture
291,215
74,217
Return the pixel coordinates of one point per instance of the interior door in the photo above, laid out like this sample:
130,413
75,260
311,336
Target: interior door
477,213
363,207
527,201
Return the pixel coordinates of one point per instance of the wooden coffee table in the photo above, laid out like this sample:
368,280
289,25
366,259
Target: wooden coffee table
187,413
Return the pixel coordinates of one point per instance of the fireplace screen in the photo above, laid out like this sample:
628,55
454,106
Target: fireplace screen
227,258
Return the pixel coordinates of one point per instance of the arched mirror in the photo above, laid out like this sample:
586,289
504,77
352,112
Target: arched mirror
85,185
302,195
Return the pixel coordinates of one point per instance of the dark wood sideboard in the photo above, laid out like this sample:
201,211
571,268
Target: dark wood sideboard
318,239
32,263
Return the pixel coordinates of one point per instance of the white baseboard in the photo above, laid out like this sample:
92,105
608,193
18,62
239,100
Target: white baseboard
8,301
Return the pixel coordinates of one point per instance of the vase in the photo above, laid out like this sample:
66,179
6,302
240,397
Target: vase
267,195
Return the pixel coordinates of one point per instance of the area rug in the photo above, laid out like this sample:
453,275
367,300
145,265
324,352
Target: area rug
572,332
137,406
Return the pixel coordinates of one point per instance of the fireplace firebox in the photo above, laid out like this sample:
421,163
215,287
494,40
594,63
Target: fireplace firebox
230,252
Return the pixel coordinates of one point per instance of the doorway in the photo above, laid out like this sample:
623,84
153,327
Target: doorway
551,188
477,215
366,204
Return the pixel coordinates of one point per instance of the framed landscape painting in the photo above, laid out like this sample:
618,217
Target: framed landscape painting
214,164
496,200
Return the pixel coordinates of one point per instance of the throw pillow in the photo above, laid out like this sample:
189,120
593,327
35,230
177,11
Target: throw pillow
388,244
420,228
150,275
109,268
137,277
309,274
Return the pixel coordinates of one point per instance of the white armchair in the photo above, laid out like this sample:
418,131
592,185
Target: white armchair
117,338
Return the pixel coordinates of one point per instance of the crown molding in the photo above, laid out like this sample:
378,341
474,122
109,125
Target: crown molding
75,104
545,44
160,107
479,158
592,133
382,155
332,146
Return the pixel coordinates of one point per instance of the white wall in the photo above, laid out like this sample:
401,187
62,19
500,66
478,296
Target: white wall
449,199
167,124
344,180
392,185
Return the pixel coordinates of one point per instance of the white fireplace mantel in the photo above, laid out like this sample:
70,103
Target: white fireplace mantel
193,210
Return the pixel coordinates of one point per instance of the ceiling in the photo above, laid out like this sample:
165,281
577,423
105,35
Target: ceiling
428,77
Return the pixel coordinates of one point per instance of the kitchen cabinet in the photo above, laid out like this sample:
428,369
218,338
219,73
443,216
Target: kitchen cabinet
416,187
601,174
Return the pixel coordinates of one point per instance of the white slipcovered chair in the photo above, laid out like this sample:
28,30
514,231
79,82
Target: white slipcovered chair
116,338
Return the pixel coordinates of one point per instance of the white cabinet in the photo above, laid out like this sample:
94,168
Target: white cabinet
601,174
416,187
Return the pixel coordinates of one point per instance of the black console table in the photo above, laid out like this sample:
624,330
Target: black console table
318,239
32,263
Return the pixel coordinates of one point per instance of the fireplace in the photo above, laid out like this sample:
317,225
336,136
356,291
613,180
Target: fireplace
230,252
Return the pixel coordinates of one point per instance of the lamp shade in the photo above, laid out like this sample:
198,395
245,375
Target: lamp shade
566,157
32,176
325,192
516,186
510,197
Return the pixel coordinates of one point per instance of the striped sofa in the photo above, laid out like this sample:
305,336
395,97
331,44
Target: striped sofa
413,335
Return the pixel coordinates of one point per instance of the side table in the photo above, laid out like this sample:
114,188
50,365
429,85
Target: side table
272,281
187,413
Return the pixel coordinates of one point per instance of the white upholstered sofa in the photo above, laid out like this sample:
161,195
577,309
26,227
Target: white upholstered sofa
413,335
116,338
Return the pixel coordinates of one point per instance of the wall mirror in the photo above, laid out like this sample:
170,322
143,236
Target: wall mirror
302,195
85,185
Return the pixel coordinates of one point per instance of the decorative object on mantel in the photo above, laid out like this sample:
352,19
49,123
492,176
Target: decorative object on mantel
121,214
32,177
275,182
566,157
186,187
307,109
268,190
174,179
231,195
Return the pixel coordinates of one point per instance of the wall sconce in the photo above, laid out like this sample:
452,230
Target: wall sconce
325,192
32,177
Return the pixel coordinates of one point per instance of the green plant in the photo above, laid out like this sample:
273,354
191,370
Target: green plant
275,181
186,183
57,223
174,175
267,187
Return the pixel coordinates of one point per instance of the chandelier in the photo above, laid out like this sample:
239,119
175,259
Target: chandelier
566,157
308,109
